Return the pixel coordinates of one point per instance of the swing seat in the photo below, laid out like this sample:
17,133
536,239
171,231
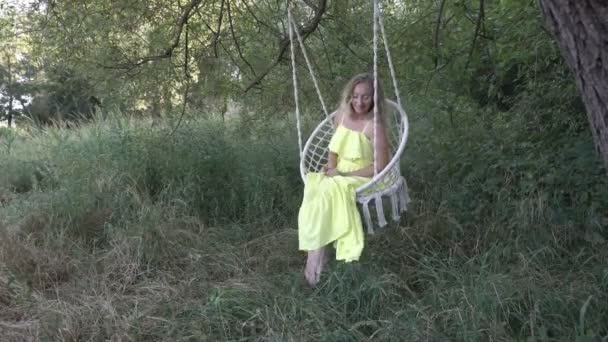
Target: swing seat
388,183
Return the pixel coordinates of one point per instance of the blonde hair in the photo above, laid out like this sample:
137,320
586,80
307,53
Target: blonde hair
347,94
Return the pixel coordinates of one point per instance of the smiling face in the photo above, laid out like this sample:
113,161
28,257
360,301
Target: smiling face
362,98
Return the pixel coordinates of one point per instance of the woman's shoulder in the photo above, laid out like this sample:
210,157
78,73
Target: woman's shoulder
338,117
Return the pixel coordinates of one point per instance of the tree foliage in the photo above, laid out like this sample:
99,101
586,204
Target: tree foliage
155,57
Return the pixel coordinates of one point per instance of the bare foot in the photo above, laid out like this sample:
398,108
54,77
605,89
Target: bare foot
315,263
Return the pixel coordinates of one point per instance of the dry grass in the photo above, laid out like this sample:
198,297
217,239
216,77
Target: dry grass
213,290
5,197
40,267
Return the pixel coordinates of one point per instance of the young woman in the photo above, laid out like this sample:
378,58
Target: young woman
329,211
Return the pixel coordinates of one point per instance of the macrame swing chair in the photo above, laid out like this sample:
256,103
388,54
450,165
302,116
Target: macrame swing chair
386,183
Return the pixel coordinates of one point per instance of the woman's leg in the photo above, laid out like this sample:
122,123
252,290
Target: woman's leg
315,263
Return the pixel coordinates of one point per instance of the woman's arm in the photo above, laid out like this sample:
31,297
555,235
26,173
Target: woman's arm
330,168
332,160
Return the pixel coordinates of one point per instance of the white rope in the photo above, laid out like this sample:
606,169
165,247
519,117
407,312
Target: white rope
380,211
375,87
314,80
388,57
295,83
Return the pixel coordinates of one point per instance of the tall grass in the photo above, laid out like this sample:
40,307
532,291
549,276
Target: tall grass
119,230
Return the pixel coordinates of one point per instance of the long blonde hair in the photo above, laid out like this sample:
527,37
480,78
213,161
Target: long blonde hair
347,94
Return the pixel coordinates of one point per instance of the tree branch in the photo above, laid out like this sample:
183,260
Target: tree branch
258,21
284,42
186,88
436,36
219,28
236,42
327,55
311,5
480,18
168,51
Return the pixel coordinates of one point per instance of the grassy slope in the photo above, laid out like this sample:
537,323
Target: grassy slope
119,231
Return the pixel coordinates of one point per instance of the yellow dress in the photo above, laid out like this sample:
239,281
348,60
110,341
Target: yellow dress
329,208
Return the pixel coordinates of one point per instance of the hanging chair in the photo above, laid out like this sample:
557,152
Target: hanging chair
386,183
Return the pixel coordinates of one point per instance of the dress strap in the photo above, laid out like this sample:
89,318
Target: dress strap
365,127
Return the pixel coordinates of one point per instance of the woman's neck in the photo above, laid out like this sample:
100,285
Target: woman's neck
357,117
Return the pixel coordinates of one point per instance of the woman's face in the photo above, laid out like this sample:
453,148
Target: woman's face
362,99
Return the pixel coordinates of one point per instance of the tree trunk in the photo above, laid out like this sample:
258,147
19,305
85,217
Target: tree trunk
10,91
10,111
581,30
